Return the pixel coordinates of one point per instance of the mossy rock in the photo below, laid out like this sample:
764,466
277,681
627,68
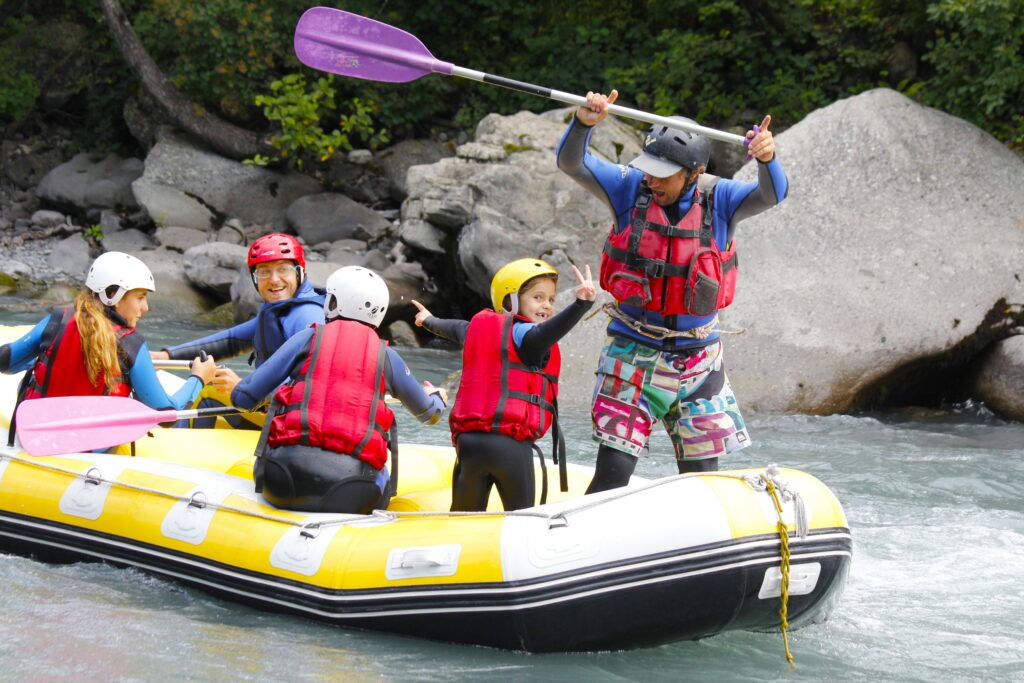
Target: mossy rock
221,316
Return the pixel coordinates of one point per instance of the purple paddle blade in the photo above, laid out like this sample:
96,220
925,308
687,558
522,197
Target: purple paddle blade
343,43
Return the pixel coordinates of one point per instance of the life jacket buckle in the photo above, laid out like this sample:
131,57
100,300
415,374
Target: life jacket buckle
655,269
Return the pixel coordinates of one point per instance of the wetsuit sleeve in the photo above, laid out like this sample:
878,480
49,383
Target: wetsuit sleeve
148,389
21,353
452,329
615,185
535,340
228,343
278,369
403,385
737,200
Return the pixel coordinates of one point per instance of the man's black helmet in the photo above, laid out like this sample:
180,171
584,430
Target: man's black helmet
669,150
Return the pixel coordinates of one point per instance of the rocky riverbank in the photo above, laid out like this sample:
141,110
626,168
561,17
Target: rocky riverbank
890,274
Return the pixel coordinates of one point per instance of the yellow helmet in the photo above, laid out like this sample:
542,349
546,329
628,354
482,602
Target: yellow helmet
512,276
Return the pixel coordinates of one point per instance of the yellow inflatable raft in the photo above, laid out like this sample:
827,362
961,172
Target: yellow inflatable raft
676,558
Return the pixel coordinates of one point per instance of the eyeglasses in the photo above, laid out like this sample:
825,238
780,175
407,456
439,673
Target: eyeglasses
280,271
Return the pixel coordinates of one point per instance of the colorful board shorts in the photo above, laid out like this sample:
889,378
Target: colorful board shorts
688,391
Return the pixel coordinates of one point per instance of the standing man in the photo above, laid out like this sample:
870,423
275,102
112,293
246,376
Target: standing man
670,264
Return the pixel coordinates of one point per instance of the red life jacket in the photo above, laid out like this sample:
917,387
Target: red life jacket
60,369
669,269
338,402
499,393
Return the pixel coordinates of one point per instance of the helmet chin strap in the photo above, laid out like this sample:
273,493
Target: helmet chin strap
514,302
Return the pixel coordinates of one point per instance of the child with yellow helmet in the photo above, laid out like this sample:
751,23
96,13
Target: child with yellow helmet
509,385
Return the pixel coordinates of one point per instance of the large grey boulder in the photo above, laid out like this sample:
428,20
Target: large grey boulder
329,216
175,297
188,186
1000,382
89,181
900,242
215,267
405,281
881,259
394,162
128,240
181,239
504,198
71,256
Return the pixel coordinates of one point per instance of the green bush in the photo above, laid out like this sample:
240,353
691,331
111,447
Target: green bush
719,61
299,110
979,72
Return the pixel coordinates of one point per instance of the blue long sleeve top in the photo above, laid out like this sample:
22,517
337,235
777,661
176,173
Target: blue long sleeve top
22,353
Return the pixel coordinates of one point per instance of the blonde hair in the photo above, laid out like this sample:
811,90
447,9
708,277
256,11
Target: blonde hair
99,344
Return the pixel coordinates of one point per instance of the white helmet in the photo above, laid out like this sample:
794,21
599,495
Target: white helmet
117,269
356,293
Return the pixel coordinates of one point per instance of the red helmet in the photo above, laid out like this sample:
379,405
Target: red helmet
276,247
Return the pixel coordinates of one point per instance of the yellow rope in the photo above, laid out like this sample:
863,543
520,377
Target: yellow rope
783,568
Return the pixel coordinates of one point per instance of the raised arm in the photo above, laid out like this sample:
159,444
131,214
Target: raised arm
403,385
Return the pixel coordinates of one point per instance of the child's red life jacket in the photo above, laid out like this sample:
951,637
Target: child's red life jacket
60,369
498,392
338,402
669,269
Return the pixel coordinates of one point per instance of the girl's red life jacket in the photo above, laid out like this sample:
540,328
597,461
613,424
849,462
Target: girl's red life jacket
60,369
669,269
498,392
338,401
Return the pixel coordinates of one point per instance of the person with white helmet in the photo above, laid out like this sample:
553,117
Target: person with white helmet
329,431
669,261
277,268
92,347
509,386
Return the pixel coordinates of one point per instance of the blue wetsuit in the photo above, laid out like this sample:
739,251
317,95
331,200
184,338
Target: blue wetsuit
274,324
22,354
617,187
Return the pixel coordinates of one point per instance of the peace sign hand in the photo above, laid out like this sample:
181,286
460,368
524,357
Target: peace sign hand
422,315
760,142
586,289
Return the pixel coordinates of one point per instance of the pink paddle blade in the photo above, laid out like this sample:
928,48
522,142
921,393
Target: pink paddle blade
347,44
76,424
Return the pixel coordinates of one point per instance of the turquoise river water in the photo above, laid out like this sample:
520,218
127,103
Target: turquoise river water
935,502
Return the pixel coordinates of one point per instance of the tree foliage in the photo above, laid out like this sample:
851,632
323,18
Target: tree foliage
718,61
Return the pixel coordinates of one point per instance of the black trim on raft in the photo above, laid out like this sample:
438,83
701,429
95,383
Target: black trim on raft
644,601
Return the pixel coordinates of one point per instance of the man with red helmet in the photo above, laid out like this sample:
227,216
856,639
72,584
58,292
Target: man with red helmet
277,265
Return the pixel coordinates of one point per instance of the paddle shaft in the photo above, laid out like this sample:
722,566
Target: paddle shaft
172,364
618,110
388,45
